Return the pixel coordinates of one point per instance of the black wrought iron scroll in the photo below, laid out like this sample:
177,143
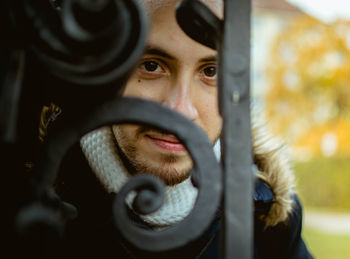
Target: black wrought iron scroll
206,175
74,46
56,54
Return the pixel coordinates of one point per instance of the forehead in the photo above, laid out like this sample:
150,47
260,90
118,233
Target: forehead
166,34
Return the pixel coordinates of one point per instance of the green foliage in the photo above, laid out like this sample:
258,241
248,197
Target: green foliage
326,246
324,182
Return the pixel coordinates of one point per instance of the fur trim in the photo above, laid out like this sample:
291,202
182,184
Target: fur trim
270,156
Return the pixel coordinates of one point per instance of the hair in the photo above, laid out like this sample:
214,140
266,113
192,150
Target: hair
215,5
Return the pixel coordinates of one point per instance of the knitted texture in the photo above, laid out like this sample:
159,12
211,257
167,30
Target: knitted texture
99,149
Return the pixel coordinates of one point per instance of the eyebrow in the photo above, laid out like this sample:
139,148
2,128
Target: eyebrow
159,52
209,58
152,50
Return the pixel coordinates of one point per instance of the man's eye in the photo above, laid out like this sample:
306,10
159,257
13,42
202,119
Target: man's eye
151,66
210,71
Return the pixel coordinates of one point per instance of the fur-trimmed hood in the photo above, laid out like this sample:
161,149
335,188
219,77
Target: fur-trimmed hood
271,159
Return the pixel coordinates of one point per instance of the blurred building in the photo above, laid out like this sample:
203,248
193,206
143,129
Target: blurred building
270,17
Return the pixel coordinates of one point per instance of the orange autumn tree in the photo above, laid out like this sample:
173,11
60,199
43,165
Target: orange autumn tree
309,77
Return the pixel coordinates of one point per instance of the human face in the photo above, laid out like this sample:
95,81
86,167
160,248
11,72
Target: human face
180,74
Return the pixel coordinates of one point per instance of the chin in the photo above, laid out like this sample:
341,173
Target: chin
170,173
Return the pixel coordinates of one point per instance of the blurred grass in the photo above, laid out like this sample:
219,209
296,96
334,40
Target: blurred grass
324,183
326,246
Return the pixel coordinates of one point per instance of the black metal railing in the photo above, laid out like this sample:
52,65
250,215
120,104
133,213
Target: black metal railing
54,51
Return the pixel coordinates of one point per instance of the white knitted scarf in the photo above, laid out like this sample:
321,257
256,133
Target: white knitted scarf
99,148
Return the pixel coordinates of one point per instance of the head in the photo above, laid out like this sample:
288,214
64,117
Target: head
180,74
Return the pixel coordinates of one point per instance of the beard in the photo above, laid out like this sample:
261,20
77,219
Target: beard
172,169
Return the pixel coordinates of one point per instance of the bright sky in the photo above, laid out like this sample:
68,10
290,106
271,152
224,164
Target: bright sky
325,10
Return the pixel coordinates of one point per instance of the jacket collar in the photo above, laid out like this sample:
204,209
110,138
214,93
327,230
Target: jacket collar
271,159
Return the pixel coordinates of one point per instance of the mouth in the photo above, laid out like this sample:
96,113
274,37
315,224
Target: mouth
166,142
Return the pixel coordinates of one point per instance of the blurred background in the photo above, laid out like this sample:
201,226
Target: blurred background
301,84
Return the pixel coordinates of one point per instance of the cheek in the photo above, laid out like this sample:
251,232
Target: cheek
124,133
146,89
215,124
210,117
132,87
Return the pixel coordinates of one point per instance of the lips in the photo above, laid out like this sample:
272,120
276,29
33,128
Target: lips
166,142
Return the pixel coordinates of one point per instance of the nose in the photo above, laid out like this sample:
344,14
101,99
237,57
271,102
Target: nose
181,99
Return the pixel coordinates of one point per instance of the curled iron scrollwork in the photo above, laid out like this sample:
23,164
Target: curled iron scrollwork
149,198
132,110
75,48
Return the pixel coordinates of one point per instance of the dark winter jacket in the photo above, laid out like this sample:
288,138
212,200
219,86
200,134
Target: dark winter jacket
93,233
277,213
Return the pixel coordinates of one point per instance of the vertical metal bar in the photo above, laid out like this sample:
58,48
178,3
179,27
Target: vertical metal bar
10,92
234,96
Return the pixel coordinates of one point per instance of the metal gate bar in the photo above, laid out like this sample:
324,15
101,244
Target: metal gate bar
234,101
